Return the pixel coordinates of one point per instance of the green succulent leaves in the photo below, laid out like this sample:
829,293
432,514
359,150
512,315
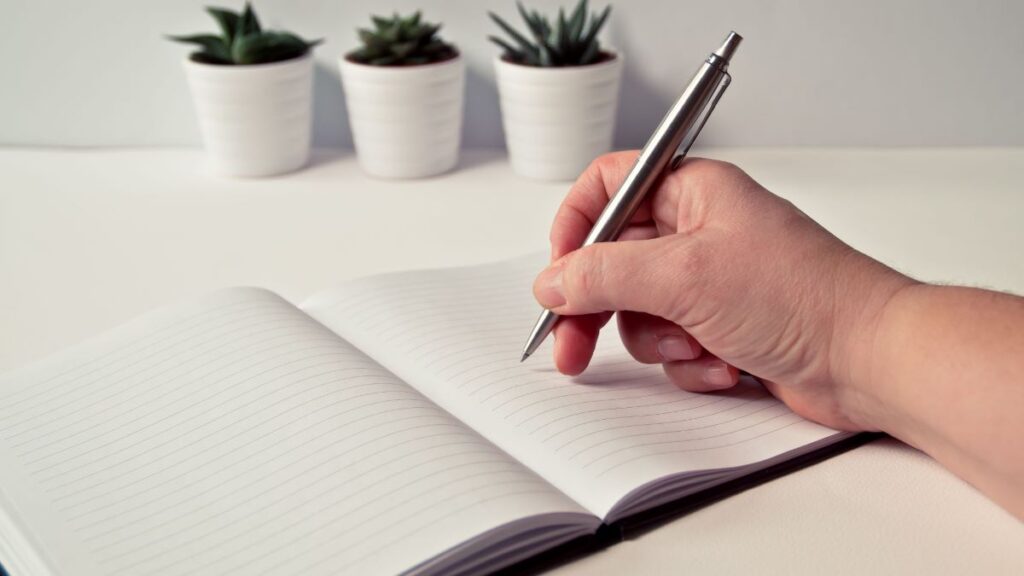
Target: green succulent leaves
571,41
399,41
243,40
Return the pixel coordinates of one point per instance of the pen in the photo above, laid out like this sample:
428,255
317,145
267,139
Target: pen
677,130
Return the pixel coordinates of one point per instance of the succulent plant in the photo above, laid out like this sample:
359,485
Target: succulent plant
243,41
571,41
399,41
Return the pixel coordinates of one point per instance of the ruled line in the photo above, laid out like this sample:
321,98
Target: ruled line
208,437
458,337
39,388
44,402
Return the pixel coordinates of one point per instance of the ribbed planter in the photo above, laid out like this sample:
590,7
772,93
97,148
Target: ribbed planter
406,120
255,119
557,120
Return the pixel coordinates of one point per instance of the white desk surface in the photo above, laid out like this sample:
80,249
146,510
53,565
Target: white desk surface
90,238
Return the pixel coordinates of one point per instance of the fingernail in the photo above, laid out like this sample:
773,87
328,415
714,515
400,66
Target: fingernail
716,375
549,287
672,348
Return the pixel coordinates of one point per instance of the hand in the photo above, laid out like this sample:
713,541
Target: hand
716,274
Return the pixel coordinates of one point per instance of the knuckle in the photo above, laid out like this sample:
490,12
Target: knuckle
688,266
712,188
720,168
571,278
611,165
702,174
582,274
596,169
725,168
604,162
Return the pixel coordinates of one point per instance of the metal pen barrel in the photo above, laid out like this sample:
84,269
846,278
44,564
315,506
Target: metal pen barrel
683,120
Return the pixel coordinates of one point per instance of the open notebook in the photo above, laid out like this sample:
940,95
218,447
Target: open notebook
385,426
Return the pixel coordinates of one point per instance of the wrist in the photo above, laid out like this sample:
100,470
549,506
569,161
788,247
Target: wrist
867,295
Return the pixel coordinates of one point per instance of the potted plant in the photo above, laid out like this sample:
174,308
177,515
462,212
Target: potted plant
252,90
559,90
404,91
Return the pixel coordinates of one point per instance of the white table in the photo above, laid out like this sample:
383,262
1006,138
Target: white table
90,238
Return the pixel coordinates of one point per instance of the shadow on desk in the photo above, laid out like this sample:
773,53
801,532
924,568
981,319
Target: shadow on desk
644,522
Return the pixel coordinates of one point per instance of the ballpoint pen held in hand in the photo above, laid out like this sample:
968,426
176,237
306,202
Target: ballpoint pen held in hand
677,131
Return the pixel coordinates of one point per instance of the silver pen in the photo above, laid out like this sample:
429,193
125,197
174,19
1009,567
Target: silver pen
678,129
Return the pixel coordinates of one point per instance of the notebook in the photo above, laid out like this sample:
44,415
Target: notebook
385,426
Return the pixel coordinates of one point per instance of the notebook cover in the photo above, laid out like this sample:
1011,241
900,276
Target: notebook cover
637,524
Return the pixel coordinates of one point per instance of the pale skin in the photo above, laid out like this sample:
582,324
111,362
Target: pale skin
716,274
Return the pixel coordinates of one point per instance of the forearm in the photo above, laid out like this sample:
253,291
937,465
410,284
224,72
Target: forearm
944,371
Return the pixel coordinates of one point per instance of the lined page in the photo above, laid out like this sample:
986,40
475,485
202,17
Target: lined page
457,335
235,434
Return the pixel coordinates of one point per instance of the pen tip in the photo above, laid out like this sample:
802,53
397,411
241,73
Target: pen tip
525,356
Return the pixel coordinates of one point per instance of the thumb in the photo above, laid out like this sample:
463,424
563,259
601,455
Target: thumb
650,276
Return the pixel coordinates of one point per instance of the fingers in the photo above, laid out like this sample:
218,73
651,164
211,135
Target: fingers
654,340
575,339
656,276
587,198
705,374
650,340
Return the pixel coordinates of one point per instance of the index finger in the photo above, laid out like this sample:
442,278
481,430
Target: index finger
587,198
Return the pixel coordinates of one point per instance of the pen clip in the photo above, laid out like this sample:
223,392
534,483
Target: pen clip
695,131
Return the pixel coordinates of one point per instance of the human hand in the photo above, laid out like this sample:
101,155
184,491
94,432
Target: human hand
716,274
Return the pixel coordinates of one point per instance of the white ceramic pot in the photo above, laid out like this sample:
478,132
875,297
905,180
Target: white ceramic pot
557,120
255,119
406,120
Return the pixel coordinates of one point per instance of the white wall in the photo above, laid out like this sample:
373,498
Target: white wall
866,72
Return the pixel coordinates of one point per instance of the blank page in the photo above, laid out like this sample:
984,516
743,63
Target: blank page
457,336
234,434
